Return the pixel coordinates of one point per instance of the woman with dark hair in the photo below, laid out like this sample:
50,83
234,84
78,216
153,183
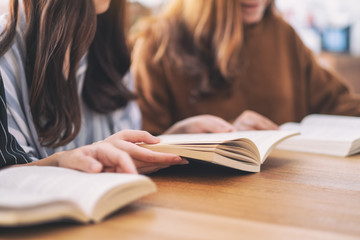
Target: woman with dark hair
65,67
235,59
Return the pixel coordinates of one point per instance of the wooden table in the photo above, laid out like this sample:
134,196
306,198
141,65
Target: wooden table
295,196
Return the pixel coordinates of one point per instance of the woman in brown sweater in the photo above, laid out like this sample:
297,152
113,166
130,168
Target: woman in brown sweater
235,59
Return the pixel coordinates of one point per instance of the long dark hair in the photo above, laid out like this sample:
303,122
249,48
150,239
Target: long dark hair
53,26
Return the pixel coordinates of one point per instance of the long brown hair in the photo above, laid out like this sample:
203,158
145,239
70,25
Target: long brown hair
202,38
54,26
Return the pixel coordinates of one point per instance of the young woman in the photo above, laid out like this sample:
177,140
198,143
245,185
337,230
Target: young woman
64,65
236,59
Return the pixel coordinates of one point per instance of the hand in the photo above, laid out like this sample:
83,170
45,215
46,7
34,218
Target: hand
145,160
201,124
94,158
250,120
117,153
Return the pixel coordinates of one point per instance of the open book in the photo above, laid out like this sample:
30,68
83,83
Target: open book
31,194
325,134
245,150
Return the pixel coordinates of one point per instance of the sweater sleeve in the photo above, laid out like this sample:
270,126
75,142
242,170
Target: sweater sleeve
327,93
153,92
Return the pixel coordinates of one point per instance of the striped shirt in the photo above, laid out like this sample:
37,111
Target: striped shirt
95,126
10,151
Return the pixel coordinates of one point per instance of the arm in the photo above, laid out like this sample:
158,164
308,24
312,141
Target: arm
117,153
327,93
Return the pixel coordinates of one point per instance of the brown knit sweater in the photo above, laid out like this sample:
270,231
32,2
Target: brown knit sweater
280,79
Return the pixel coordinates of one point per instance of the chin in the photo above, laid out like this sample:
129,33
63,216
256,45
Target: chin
252,20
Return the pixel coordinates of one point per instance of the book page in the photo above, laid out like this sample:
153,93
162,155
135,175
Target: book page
324,134
14,198
334,121
267,139
326,128
19,208
199,138
264,140
215,137
84,189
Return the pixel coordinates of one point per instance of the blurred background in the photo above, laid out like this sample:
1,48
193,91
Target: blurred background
331,28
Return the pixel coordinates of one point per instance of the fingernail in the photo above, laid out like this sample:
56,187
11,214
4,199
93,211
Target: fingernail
184,162
95,166
156,139
177,159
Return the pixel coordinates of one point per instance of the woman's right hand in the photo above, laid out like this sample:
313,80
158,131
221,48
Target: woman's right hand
145,160
201,124
250,120
117,153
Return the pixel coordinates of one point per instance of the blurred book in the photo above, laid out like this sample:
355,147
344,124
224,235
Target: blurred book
32,194
324,134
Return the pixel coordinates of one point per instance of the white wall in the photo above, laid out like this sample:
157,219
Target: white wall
3,6
150,3
311,17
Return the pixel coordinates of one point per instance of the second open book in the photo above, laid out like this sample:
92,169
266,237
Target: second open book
324,134
245,150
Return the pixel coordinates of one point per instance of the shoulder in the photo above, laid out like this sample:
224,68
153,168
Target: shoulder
17,49
286,36
12,69
12,62
276,24
20,28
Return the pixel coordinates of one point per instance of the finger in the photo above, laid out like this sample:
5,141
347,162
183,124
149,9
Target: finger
80,161
223,126
251,120
136,136
263,123
244,127
270,124
244,123
111,156
216,124
266,125
141,164
146,155
151,169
